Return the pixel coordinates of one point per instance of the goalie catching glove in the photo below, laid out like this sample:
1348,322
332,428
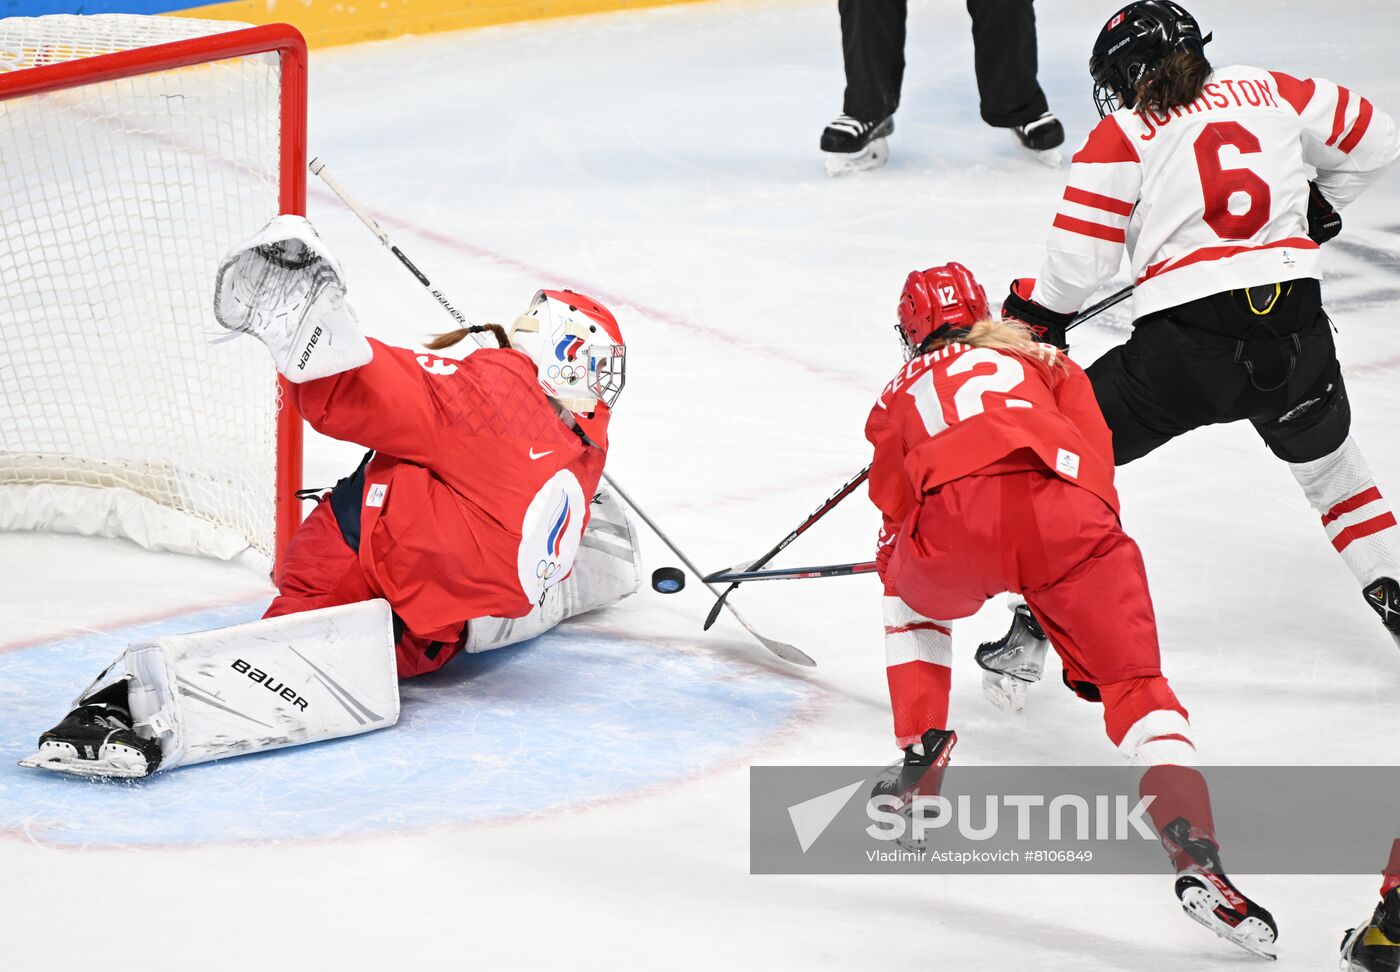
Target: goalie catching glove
1047,325
285,288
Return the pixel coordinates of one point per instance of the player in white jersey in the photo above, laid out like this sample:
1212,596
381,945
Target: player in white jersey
1201,176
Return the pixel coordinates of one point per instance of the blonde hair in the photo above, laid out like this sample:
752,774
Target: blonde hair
1010,336
445,340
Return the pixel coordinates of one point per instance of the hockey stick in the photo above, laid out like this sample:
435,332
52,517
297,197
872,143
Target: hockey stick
790,573
781,649
817,514
1093,310
318,168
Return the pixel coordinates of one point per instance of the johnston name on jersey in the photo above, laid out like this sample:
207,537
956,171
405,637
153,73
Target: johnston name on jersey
1212,196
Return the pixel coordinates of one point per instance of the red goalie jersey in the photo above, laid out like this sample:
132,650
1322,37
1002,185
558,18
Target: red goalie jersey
962,411
478,493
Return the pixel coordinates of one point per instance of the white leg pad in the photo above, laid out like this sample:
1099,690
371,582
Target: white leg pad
607,568
265,685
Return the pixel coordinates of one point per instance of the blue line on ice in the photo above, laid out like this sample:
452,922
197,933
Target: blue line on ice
570,718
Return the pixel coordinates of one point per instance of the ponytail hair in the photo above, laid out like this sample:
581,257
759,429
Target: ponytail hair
441,342
1173,82
1010,336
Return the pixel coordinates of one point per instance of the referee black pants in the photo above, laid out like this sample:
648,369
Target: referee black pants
1003,38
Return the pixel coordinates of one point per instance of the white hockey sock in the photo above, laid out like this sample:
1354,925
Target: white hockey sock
1162,737
1358,520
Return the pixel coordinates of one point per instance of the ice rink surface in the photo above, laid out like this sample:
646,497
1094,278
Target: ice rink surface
582,802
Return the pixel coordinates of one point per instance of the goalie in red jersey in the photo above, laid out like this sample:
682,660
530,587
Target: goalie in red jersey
476,521
993,469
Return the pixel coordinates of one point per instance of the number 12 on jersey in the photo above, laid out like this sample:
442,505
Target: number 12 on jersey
969,395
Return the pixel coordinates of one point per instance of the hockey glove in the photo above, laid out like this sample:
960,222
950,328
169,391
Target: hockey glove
1324,222
1048,326
283,287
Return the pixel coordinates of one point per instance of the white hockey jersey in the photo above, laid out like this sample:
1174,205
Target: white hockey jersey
1212,196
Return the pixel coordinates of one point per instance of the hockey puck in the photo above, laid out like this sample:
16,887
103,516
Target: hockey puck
667,580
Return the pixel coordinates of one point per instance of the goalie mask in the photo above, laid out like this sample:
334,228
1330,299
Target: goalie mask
939,304
577,346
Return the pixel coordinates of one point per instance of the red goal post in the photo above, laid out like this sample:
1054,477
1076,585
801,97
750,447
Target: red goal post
149,146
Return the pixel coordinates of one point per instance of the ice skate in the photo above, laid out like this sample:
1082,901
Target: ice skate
918,774
1383,594
1375,947
1211,898
97,738
1042,138
852,145
1014,661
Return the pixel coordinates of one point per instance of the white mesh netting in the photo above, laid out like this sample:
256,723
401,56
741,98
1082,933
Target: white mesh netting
121,417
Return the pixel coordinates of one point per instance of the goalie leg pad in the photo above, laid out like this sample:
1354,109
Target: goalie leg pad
607,569
272,683
285,288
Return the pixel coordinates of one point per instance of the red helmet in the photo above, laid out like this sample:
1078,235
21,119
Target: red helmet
940,302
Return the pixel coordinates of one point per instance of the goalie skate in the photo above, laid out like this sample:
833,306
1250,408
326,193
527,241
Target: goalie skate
1210,898
97,739
1014,661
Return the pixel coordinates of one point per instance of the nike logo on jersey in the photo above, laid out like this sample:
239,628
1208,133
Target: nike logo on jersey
541,455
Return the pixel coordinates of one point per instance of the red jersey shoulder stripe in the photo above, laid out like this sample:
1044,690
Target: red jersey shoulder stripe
1363,122
1119,207
1208,253
1296,93
1107,143
1340,117
1085,228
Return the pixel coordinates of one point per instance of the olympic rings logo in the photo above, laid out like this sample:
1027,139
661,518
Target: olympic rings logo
567,374
545,570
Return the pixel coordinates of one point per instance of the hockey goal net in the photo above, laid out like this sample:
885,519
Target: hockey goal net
137,151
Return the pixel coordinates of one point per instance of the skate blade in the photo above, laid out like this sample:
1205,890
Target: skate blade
1252,935
1050,158
1006,692
114,762
873,156
1349,941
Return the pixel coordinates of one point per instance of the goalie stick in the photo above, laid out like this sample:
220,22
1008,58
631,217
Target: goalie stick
821,511
790,573
318,168
781,649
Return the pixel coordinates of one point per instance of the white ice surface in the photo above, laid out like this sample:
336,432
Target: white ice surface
666,163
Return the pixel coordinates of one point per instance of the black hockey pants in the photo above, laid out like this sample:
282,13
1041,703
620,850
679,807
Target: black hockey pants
1265,355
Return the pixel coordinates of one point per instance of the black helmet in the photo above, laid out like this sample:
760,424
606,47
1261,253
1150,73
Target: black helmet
1135,38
